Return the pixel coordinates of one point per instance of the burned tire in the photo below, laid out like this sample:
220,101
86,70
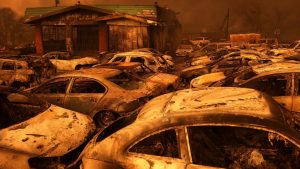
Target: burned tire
170,89
104,118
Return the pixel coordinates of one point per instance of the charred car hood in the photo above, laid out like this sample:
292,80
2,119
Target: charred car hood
54,132
163,78
71,64
207,79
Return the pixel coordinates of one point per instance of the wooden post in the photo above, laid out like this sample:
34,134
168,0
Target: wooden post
39,40
103,37
69,44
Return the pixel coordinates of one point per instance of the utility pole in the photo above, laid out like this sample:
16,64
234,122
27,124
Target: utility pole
227,25
57,2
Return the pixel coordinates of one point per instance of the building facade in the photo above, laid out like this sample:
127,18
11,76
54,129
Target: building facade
94,29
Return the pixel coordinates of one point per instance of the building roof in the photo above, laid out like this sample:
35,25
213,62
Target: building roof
34,18
147,11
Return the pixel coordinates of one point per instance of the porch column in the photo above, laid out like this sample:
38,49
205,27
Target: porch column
69,44
103,37
39,40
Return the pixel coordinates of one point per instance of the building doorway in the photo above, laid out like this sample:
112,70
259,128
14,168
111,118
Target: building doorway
85,39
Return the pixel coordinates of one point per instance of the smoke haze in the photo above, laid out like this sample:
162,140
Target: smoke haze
263,16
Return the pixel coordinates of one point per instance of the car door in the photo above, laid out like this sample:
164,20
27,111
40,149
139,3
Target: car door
159,150
296,96
84,94
53,91
279,86
240,147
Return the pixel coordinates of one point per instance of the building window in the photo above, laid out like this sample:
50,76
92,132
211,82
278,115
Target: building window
54,33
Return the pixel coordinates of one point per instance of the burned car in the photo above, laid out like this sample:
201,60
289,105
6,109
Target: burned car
156,63
279,80
184,50
282,83
33,131
15,73
62,61
103,93
210,128
227,64
292,49
167,58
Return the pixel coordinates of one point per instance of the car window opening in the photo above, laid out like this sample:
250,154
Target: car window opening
236,147
162,144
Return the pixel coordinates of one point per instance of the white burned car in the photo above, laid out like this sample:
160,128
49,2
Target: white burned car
156,63
197,129
160,56
62,61
33,132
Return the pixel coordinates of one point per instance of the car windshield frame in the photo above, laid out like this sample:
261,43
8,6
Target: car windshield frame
12,97
117,125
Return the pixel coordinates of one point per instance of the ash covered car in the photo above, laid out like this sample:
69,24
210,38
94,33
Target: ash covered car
166,57
105,93
204,58
292,49
279,80
184,50
34,133
156,63
193,129
63,61
15,73
227,64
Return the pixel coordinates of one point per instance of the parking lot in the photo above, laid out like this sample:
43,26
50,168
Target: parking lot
123,86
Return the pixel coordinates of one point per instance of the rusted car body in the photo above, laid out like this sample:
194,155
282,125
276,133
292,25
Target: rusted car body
193,129
15,73
62,61
31,128
103,93
156,63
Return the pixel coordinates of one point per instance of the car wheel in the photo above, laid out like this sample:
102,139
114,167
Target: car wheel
104,118
170,89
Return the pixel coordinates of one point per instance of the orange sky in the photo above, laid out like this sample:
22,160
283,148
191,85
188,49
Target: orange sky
199,15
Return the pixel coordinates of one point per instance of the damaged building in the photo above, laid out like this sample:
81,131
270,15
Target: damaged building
99,28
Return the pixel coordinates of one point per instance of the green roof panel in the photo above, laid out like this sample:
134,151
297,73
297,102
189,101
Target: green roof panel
148,11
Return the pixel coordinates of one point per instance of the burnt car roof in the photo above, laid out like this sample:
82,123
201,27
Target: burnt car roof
220,101
99,72
119,65
272,68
